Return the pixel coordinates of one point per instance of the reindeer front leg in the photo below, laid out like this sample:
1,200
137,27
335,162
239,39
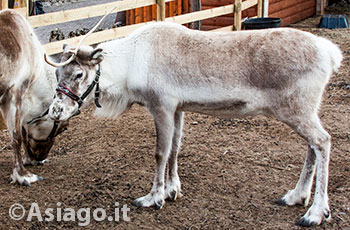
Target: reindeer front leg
164,122
20,174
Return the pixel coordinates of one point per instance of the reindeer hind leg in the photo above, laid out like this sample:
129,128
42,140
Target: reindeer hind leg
20,174
302,192
319,142
173,184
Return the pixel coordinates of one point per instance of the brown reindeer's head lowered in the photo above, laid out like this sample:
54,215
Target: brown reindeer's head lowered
39,148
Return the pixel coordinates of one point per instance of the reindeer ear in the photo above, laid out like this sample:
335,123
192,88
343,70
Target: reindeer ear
96,56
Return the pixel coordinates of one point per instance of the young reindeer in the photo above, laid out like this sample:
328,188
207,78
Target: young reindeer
171,69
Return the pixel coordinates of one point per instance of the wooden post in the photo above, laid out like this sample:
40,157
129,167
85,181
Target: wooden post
28,8
4,4
320,5
237,15
260,8
265,8
160,10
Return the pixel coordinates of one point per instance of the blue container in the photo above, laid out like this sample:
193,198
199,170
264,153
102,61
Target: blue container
334,21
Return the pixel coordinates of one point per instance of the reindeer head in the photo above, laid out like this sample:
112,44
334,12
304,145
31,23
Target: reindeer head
77,77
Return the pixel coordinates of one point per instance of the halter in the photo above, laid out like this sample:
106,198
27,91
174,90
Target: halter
52,134
61,88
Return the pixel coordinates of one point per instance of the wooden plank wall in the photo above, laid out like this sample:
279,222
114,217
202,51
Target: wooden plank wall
226,20
149,13
290,11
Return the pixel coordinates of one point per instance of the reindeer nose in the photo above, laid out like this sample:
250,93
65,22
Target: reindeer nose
55,112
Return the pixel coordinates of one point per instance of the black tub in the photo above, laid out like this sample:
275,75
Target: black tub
261,23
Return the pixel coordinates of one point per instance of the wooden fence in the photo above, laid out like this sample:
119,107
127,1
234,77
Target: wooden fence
101,9
149,13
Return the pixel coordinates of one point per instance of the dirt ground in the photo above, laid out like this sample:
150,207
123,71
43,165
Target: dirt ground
232,171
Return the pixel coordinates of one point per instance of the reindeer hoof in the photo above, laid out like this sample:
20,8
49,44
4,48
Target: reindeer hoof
172,196
314,217
303,222
158,206
151,199
140,204
137,203
327,215
281,202
25,179
26,183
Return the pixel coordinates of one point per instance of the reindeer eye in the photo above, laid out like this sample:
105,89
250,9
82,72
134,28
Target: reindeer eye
78,76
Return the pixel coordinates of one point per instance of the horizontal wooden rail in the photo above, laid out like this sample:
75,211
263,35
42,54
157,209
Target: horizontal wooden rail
97,37
201,15
94,38
248,4
22,10
87,12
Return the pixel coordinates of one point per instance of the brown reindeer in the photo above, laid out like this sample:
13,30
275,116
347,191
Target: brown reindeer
27,86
